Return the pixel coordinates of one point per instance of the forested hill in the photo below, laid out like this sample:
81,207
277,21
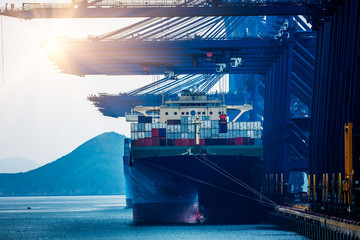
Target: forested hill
93,168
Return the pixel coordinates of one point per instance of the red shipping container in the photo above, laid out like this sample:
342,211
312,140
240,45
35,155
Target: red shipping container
186,142
140,142
231,141
192,142
239,141
148,142
178,142
202,141
155,132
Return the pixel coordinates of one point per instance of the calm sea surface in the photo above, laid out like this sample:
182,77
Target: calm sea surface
105,217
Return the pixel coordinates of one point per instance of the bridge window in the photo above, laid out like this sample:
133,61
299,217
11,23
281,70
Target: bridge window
211,113
166,113
199,113
219,112
182,113
175,113
187,113
203,113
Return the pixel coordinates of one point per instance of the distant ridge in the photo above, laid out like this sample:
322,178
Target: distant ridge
16,165
93,168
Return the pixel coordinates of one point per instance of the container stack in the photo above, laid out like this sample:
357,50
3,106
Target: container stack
183,132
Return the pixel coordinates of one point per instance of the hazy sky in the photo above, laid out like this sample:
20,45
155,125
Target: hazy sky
45,114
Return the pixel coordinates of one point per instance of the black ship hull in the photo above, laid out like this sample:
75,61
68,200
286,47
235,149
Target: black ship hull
194,188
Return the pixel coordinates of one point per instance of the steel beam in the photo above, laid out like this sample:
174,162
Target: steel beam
173,11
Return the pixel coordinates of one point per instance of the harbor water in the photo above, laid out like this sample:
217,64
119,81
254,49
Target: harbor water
106,217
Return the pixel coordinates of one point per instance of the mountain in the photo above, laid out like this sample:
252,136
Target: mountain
16,165
93,168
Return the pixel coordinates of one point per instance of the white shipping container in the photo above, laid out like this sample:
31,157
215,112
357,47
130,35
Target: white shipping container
148,126
141,127
184,135
191,128
222,135
147,134
141,135
133,127
177,128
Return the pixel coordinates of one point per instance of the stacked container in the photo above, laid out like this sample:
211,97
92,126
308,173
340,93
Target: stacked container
182,132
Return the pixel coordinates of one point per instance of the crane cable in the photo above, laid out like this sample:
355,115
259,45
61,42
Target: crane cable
2,51
234,179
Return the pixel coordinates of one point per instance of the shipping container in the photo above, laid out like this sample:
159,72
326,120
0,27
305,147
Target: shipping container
156,141
214,124
148,119
231,141
141,127
140,135
185,142
148,142
170,142
184,135
192,142
257,142
162,142
184,128
239,141
155,132
247,141
173,122
140,142
162,132
205,118
191,128
222,128
178,142
202,141
184,120
148,127
191,120
141,119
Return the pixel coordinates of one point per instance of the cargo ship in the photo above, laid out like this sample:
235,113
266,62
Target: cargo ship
189,163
